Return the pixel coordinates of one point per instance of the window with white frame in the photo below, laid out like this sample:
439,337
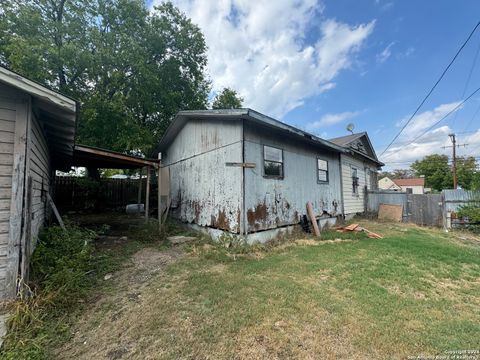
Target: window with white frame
322,170
272,162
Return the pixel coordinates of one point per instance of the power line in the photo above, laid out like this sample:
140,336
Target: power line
469,77
433,88
439,121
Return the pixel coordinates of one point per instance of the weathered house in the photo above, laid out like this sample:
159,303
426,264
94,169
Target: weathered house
246,173
37,128
359,171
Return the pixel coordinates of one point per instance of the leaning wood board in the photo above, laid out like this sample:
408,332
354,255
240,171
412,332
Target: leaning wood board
390,212
313,219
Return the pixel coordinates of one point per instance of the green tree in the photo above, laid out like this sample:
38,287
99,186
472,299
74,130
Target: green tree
131,69
467,172
436,170
227,99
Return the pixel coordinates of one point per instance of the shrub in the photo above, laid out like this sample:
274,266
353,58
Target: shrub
471,213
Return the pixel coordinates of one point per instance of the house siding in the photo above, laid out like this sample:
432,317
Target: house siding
355,203
203,189
271,203
40,171
8,110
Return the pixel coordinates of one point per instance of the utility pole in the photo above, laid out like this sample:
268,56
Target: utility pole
454,157
454,160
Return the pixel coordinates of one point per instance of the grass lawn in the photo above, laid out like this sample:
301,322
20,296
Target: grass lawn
417,291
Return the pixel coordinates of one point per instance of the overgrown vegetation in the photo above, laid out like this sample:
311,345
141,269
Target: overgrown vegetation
471,213
61,267
369,298
66,267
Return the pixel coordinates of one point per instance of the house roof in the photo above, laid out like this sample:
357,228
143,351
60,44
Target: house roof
237,114
346,140
410,182
56,112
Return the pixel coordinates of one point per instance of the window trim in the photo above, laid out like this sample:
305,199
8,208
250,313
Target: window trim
326,171
278,177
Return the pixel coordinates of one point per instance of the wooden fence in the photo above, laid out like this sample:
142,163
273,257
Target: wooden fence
421,209
79,193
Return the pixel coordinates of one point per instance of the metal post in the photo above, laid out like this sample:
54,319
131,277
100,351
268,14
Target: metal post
147,195
139,200
159,177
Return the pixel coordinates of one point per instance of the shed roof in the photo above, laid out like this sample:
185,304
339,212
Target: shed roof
89,156
410,182
56,112
237,114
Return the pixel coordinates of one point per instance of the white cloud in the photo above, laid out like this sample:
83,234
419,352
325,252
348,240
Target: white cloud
404,151
259,49
331,119
385,54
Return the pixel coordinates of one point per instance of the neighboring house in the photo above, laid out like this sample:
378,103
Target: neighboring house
415,185
360,167
388,184
245,173
37,128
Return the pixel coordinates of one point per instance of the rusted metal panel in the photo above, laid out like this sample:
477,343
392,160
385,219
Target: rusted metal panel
203,189
272,203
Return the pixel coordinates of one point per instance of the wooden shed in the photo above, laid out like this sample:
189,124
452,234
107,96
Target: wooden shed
37,130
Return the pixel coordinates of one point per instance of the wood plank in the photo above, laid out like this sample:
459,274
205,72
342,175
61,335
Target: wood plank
6,125
6,170
16,207
313,219
390,212
6,148
351,227
7,114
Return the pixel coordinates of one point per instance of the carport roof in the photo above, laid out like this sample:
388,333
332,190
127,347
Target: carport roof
89,156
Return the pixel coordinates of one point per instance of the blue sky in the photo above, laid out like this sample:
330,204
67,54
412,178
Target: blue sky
319,65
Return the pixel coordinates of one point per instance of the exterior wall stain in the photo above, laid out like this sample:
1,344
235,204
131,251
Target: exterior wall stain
273,203
203,190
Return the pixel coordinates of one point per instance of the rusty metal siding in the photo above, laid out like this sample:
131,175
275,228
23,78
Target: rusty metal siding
270,203
203,189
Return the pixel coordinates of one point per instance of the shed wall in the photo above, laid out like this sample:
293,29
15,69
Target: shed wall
8,110
40,171
271,203
203,189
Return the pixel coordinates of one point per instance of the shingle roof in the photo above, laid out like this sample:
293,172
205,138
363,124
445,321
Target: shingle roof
344,140
410,182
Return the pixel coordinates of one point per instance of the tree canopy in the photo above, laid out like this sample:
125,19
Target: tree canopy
438,172
227,99
131,69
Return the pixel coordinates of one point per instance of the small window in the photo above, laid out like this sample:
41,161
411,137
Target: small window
354,181
322,170
272,162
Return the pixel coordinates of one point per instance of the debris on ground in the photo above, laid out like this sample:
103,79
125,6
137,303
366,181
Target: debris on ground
180,239
107,277
357,227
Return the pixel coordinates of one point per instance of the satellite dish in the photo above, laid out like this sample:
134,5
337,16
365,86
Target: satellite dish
350,127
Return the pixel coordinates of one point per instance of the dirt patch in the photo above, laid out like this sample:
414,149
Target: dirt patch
107,329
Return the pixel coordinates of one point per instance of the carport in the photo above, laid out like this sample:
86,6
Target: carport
92,157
